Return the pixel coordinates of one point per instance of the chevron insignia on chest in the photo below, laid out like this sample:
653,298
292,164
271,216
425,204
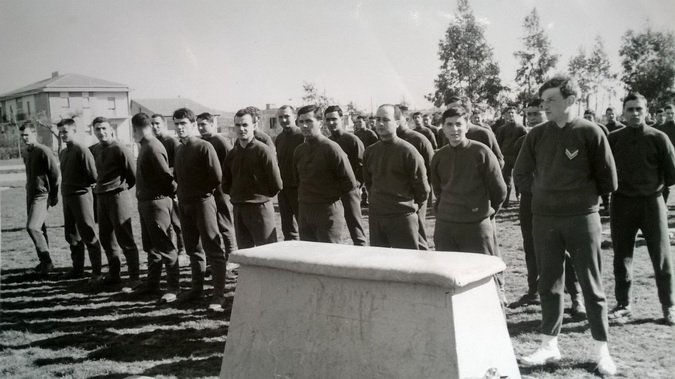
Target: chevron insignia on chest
571,154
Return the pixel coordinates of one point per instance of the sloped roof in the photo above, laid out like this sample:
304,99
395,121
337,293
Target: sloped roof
67,83
166,107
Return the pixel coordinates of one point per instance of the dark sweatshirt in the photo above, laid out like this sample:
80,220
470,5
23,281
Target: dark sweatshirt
485,136
264,138
367,136
221,144
251,174
115,167
507,136
426,132
323,171
419,142
170,144
78,169
42,172
396,178
286,143
197,170
614,125
645,160
668,127
570,168
467,180
154,178
353,147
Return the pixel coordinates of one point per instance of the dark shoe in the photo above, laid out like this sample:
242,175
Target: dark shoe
530,298
620,313
134,284
208,272
669,315
143,289
95,280
45,268
578,310
73,275
111,280
190,296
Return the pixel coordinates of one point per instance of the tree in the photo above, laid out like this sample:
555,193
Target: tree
648,60
312,96
592,72
468,67
536,59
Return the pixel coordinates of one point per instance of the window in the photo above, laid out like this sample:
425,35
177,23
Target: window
65,100
28,108
273,122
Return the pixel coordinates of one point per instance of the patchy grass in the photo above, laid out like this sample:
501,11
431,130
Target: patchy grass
51,328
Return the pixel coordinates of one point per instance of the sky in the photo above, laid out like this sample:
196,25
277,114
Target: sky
230,54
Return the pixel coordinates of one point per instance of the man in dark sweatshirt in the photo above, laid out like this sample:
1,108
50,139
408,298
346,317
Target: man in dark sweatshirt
198,173
396,177
259,134
42,191
116,175
421,129
611,122
251,177
154,188
207,128
569,163
170,144
285,143
645,163
507,135
368,137
78,174
668,127
324,176
353,147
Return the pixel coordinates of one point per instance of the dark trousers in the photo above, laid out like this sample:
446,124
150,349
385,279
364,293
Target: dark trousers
155,218
175,225
321,222
80,230
288,210
422,239
580,236
114,216
507,174
36,226
399,231
254,224
225,224
650,215
200,234
351,202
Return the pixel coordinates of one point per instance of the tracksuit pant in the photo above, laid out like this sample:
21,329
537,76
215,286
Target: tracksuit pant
155,218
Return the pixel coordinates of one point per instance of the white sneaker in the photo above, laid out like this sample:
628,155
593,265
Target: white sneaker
543,356
606,365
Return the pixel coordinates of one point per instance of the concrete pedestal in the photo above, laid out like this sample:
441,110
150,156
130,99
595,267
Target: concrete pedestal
315,310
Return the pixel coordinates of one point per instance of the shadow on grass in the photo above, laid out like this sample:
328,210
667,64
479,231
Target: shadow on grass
563,365
189,368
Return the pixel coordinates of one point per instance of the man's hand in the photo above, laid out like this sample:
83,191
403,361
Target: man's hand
53,201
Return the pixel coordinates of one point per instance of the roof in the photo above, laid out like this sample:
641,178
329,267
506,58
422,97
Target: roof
166,107
67,83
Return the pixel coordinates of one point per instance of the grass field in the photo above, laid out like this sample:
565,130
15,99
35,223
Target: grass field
57,328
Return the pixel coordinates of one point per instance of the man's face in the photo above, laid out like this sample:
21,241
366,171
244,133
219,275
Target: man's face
634,112
205,127
309,125
660,118
555,105
418,120
333,121
67,134
28,136
455,129
371,122
245,128
286,118
670,114
184,127
103,132
426,120
510,116
589,117
157,126
386,123
610,115
359,123
475,119
534,116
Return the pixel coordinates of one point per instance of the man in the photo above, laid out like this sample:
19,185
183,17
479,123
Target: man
290,138
421,129
612,123
198,173
42,192
569,163
209,133
368,137
154,188
116,175
78,170
251,177
324,176
438,131
170,144
260,135
660,118
396,177
668,127
507,135
645,163
353,147
590,116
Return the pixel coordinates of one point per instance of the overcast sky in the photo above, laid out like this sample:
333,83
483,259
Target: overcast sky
230,54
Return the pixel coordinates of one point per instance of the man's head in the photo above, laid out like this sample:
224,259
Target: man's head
158,124
372,120
387,120
141,125
310,121
455,124
184,121
28,133
206,125
509,114
559,94
534,114
286,116
476,118
660,116
103,130
610,115
634,109
426,120
67,130
669,111
360,122
589,115
417,119
333,118
244,125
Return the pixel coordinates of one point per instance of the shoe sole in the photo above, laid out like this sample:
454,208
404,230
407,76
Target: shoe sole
549,361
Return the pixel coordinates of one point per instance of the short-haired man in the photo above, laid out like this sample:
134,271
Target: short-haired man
611,123
78,174
42,191
668,127
660,118
427,122
396,177
260,135
251,177
154,188
324,176
645,163
116,175
569,163
170,144
421,129
290,138
361,130
353,147
507,135
198,173
207,128
590,116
